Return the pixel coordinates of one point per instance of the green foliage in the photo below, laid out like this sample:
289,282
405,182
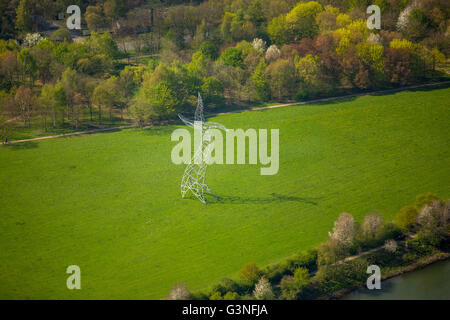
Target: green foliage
250,273
307,260
231,296
309,72
417,25
143,154
23,16
282,79
103,44
407,217
344,275
424,199
255,12
216,296
162,99
278,30
62,34
274,273
225,27
97,64
209,50
232,57
261,87
301,277
212,91
95,18
301,20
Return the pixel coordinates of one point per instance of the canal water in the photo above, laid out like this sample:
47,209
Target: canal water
429,283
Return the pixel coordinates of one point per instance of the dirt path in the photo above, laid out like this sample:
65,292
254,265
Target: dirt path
243,110
409,236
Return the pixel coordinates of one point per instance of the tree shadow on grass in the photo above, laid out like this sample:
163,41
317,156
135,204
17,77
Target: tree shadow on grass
274,198
22,145
347,97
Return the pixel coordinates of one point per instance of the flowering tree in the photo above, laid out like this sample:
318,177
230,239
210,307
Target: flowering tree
273,53
259,45
32,39
344,230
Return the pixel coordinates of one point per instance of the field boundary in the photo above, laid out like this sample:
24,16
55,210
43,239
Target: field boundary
243,110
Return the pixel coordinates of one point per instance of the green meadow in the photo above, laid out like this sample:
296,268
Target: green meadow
110,202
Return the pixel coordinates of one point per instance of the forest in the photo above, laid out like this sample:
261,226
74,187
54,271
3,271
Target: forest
145,61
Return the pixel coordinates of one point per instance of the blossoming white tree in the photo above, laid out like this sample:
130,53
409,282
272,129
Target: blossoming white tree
273,53
263,290
344,229
32,39
259,45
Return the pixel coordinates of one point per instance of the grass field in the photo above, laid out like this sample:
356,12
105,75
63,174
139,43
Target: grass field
110,202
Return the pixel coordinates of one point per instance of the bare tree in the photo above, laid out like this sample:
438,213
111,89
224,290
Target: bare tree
24,101
372,224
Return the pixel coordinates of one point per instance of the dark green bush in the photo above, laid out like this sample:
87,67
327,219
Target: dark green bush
306,260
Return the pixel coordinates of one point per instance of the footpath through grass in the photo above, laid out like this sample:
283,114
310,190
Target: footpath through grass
110,203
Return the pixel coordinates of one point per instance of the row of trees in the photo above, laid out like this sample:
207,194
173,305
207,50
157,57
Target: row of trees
263,50
230,51
323,271
59,83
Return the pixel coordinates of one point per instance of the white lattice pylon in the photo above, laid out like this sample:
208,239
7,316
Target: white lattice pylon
195,173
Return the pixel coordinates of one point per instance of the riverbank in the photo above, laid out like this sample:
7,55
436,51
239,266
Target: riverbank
420,264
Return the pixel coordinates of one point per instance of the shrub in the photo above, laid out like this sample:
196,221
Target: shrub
225,285
306,260
329,252
390,231
215,296
231,296
62,34
301,277
289,288
419,247
341,276
275,272
385,258
407,217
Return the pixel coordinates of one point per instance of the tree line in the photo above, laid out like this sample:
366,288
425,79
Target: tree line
233,52
419,231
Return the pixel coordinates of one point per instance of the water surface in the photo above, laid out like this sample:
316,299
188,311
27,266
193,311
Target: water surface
429,283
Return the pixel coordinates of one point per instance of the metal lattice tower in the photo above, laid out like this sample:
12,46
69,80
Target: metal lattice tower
195,173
